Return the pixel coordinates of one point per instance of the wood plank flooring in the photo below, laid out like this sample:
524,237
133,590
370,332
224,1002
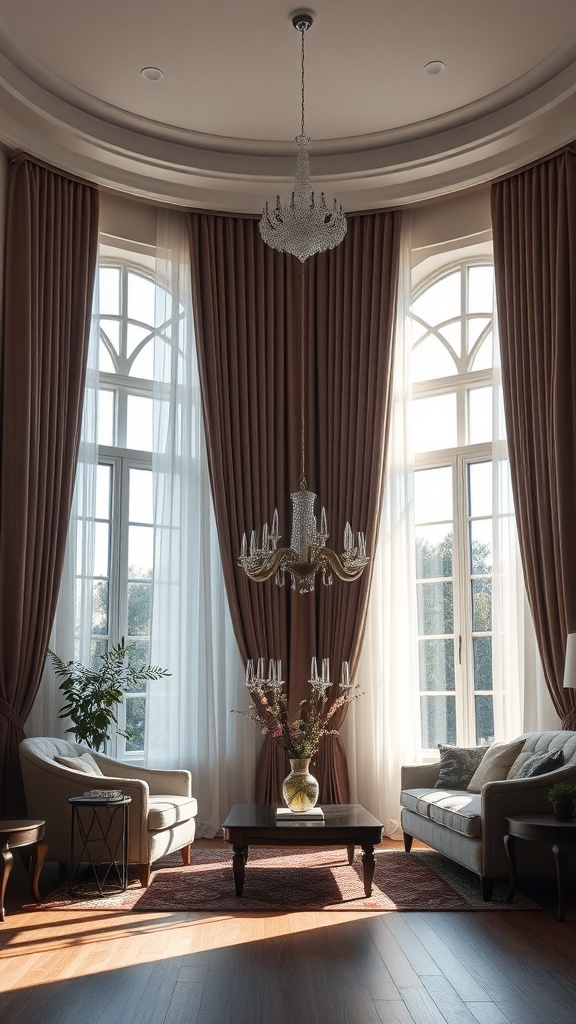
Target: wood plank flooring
102,967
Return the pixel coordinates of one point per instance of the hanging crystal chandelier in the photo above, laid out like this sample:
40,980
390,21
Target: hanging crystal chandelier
303,224
307,554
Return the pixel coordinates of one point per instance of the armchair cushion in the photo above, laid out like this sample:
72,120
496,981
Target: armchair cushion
165,811
84,763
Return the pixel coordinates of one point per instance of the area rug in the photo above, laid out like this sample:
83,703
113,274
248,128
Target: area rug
296,880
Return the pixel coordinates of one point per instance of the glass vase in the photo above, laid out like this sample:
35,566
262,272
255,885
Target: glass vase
300,789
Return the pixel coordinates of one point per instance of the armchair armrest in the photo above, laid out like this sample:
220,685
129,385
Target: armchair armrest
160,781
419,776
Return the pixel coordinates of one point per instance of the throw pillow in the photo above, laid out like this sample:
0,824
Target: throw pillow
495,764
457,765
83,763
539,764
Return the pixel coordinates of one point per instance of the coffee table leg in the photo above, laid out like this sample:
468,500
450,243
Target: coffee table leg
238,862
39,851
510,847
368,862
5,869
350,850
560,851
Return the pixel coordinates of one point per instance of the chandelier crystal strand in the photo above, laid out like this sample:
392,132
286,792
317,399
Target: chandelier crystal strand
303,224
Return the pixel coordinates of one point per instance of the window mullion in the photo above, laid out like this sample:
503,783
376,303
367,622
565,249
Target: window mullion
462,601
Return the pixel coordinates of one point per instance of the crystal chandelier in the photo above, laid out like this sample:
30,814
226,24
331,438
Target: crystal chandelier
303,224
307,554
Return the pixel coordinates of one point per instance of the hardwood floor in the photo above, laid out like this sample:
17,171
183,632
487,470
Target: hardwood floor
101,967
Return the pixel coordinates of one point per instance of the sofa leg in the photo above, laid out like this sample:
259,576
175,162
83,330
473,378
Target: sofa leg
185,853
144,872
407,842
487,887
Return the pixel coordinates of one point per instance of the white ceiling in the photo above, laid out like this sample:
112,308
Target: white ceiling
218,129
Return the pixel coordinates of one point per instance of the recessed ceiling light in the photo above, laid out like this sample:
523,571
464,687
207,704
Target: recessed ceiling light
435,67
152,74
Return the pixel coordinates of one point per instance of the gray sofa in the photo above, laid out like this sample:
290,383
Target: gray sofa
469,828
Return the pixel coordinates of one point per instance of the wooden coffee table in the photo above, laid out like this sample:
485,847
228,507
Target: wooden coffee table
346,825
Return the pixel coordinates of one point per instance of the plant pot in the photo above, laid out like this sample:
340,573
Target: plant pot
563,809
300,789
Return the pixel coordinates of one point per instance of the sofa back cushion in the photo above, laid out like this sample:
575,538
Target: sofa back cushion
495,764
457,765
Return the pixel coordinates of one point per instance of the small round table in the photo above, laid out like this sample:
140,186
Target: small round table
542,828
103,843
16,834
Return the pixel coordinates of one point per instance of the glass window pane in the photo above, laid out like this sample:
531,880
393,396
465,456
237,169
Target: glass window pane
97,649
140,552
479,415
480,488
441,301
105,362
484,358
141,504
109,291
143,365
481,605
100,607
138,655
433,495
438,720
436,659
480,289
435,608
103,491
141,298
110,329
434,422
139,595
484,707
135,334
135,722
433,551
139,426
475,326
106,410
101,549
481,546
482,653
430,359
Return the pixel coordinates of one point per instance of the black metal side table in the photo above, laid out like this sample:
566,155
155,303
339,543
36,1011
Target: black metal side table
99,839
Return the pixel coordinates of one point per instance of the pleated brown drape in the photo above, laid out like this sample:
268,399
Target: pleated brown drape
534,222
51,249
247,307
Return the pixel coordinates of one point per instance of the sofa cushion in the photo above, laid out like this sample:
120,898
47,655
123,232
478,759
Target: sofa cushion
537,764
495,764
82,763
457,765
166,811
457,810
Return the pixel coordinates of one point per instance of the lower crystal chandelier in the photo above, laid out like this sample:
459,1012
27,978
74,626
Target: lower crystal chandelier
307,554
303,224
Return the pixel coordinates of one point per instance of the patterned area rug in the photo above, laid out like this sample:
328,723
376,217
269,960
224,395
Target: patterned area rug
292,880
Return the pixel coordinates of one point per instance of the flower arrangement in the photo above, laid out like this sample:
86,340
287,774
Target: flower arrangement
301,737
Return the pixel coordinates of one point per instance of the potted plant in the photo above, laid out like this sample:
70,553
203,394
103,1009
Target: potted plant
562,796
94,693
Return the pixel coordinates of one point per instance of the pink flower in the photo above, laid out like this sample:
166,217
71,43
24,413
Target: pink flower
276,731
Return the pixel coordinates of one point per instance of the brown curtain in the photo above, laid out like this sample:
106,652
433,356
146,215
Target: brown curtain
51,248
534,222
247,303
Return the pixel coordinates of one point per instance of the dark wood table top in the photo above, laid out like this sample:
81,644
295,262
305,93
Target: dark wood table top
341,821
21,831
545,826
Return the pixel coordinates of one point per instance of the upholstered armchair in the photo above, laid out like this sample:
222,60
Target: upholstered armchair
162,812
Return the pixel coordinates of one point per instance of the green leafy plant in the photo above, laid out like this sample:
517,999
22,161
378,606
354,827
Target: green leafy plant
562,792
93,693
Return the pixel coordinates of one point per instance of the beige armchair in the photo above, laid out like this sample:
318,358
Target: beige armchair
162,812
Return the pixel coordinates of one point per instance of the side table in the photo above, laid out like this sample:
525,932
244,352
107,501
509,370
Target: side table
15,834
542,828
99,838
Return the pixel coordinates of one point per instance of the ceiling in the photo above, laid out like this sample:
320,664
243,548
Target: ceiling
217,130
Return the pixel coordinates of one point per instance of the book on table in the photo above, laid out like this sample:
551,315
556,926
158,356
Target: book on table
284,814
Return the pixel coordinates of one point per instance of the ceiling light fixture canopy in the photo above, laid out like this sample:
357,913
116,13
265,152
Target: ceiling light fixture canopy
303,224
307,555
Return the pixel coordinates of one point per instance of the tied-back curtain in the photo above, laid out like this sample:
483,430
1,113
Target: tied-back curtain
247,308
534,223
51,248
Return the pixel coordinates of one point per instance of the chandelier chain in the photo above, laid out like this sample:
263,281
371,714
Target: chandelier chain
302,31
302,386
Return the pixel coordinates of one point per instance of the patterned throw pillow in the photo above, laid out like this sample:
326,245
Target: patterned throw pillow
539,764
457,765
83,763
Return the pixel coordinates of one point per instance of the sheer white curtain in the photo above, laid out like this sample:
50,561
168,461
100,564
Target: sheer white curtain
71,632
382,729
190,721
